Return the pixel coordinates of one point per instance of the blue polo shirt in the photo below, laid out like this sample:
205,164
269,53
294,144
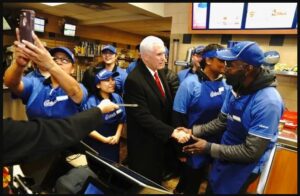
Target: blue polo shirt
184,74
109,127
200,101
120,80
47,102
261,117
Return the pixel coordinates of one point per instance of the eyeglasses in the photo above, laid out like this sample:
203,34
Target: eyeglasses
62,60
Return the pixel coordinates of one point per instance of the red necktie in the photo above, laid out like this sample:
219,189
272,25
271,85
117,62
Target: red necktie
158,83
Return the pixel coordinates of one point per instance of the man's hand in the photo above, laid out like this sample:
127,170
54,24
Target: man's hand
180,135
107,106
196,148
188,131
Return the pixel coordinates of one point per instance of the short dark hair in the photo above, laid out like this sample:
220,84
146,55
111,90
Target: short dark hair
209,47
138,47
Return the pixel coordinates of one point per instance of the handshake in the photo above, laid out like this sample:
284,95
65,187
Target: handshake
181,134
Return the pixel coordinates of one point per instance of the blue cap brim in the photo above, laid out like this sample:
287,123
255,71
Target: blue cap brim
114,74
226,55
54,50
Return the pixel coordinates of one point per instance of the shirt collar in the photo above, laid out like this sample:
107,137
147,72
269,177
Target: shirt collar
151,71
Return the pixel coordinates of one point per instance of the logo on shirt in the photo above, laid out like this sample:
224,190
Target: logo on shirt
263,126
50,103
219,92
112,115
233,118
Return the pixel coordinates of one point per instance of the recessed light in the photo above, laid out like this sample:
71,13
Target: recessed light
52,4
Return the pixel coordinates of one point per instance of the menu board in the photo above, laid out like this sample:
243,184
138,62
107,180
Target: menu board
270,15
226,15
199,15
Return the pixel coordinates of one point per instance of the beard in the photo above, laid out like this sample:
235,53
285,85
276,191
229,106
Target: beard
236,80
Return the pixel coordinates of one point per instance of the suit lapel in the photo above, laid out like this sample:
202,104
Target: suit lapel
164,81
150,80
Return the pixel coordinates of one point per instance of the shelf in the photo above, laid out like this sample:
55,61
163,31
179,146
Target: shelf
286,73
81,55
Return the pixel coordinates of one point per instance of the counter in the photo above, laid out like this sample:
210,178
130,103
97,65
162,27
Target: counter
288,138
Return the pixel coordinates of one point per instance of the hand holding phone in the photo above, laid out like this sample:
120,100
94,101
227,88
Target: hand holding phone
26,25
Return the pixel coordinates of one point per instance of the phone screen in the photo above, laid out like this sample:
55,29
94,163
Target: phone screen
26,25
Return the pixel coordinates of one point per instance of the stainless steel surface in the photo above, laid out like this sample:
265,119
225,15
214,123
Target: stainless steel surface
127,105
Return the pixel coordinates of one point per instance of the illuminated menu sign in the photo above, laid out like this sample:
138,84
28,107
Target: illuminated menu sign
270,15
226,15
199,15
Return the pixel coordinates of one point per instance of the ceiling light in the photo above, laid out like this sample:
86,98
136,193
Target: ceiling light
52,4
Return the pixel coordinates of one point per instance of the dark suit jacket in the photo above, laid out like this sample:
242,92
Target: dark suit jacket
28,140
148,125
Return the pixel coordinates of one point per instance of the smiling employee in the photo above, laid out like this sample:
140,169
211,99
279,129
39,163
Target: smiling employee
105,140
57,96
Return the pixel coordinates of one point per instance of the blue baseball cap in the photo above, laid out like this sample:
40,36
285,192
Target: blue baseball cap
245,51
104,75
198,50
64,50
110,48
166,51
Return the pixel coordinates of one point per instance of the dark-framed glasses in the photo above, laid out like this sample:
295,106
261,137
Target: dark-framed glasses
62,60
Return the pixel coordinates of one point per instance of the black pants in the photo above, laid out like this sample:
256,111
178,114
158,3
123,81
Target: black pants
190,179
171,162
243,189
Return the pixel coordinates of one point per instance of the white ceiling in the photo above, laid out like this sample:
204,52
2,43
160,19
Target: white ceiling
122,16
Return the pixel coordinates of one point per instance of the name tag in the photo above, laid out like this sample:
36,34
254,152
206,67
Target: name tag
236,118
62,98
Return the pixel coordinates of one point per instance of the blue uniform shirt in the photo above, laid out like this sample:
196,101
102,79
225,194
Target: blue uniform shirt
120,80
184,74
131,66
46,102
260,117
201,102
35,73
109,127
198,99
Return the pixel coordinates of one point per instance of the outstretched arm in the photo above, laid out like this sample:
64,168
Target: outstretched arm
25,140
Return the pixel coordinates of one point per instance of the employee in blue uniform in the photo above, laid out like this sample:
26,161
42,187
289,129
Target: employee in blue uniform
110,63
196,58
133,64
105,140
199,100
58,96
249,120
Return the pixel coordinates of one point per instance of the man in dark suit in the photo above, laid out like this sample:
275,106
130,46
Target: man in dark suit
148,125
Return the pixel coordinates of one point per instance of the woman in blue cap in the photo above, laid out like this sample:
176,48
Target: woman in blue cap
60,95
196,59
110,63
197,101
105,140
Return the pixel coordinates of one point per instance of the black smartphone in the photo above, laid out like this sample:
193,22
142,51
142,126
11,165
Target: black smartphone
26,25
